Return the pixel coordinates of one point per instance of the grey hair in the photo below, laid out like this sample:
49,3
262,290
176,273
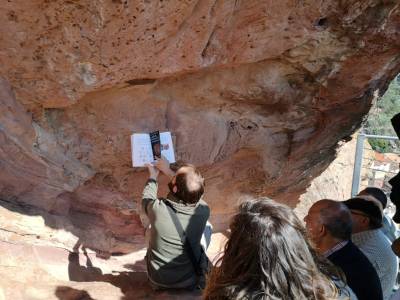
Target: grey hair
336,217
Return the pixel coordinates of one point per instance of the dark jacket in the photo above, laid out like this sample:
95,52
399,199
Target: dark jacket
168,264
360,274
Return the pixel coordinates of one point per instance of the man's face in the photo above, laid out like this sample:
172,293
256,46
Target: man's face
314,225
360,221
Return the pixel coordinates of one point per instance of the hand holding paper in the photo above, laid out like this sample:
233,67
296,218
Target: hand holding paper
153,171
163,165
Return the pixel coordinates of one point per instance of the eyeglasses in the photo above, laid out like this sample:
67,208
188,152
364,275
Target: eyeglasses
359,213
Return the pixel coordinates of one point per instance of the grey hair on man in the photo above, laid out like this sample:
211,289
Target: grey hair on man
337,219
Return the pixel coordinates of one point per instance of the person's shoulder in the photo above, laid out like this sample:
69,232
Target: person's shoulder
383,243
360,262
359,256
352,248
158,204
203,206
344,255
374,238
202,203
355,253
349,255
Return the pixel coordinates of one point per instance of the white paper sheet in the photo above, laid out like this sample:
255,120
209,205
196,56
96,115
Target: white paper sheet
167,147
142,152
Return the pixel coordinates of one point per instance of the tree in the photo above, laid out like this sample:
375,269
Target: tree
378,121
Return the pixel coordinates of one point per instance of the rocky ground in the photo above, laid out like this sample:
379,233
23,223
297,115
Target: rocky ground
41,263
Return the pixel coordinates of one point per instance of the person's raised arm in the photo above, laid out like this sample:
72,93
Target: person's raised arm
162,164
150,190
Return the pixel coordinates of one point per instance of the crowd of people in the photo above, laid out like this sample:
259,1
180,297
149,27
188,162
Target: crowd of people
343,250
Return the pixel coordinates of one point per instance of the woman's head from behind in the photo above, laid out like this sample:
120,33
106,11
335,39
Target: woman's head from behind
268,255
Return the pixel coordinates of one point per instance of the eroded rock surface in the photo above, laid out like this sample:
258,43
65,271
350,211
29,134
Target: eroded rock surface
335,182
256,93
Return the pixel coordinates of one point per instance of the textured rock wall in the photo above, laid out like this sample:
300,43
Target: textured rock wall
334,183
256,93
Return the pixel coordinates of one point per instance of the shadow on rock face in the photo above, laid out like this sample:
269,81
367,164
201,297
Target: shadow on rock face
68,293
134,285
127,282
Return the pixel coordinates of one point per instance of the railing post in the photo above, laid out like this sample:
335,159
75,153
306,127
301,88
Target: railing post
359,156
357,164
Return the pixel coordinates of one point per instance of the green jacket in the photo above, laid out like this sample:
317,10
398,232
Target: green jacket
168,264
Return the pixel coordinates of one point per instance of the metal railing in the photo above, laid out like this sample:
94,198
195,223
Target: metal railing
355,186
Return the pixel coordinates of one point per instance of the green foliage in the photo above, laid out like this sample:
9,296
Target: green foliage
378,121
382,146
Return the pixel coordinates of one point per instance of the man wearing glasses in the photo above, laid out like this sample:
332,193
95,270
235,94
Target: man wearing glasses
366,213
